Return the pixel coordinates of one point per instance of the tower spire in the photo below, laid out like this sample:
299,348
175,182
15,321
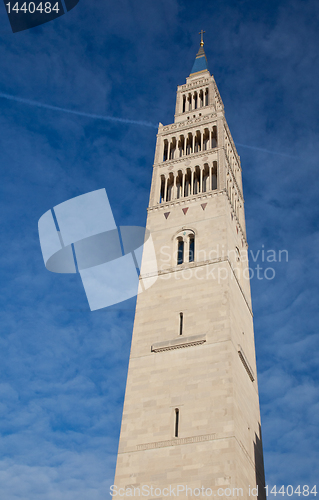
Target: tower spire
200,63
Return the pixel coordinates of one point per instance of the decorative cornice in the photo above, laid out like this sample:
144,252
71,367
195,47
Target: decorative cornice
194,85
187,199
184,158
179,343
176,442
185,124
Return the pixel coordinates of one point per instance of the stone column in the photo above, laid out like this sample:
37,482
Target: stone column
192,182
174,189
186,249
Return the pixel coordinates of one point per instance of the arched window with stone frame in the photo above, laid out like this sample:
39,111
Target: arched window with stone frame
184,244
188,182
214,137
214,176
184,103
181,144
165,150
172,148
201,98
205,186
179,184
206,97
206,139
197,147
189,144
197,181
170,187
195,100
162,189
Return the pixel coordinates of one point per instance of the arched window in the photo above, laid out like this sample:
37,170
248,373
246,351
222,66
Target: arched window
181,145
206,97
165,153
189,144
195,100
170,186
180,251
162,190
197,141
205,178
201,98
185,246
214,175
206,139
214,137
191,248
197,180
179,181
188,182
184,103
172,149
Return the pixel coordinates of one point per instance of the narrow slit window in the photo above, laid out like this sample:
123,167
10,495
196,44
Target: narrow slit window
176,421
191,249
181,323
180,252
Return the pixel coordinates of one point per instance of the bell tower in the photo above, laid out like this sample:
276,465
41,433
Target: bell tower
191,420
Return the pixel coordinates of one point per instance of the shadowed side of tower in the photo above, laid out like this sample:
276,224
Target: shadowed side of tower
191,412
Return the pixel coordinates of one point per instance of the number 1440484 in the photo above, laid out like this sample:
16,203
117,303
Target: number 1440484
289,490
31,7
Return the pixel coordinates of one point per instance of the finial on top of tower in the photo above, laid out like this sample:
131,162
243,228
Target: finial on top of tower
201,33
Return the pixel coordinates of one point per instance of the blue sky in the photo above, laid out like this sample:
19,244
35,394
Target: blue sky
63,368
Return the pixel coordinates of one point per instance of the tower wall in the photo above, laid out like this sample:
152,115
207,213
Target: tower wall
201,365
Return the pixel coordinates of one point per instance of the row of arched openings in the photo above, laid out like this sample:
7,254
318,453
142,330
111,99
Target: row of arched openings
188,183
194,100
190,143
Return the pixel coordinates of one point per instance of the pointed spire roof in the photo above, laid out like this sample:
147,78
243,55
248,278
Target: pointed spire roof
200,63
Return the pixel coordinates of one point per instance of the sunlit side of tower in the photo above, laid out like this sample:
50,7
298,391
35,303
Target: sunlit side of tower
191,413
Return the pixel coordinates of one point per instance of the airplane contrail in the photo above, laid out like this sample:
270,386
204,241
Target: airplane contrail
265,150
114,119
79,113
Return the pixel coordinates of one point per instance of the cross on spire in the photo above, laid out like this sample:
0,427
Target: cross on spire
201,33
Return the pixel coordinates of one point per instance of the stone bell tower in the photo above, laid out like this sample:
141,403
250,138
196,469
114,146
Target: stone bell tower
191,413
